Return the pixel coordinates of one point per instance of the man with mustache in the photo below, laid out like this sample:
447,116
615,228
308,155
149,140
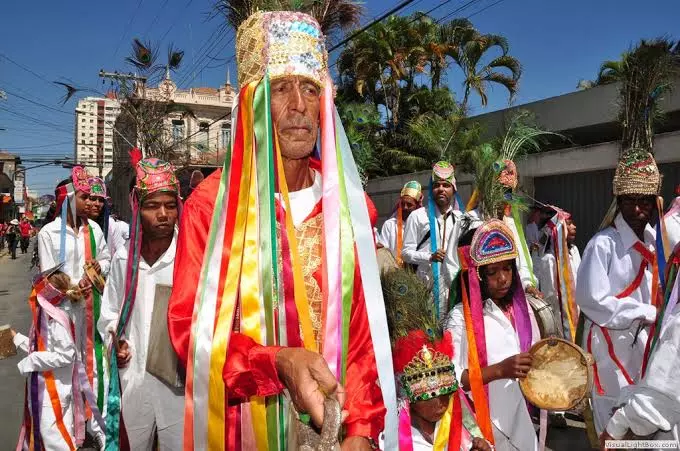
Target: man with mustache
152,401
431,235
276,282
618,284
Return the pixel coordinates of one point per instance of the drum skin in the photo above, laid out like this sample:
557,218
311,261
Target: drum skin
561,375
97,280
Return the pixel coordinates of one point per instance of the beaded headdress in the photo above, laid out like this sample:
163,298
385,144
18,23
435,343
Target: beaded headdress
492,243
443,170
154,175
637,173
412,189
97,187
281,43
421,352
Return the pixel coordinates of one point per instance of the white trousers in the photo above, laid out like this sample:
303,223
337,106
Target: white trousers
154,407
51,436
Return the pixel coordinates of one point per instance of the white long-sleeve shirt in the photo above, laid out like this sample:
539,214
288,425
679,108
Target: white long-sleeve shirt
139,326
513,429
654,403
609,266
672,223
118,234
545,270
416,229
388,235
49,242
532,234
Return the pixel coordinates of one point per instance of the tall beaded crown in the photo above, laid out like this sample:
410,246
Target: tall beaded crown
80,179
492,243
637,173
421,351
282,43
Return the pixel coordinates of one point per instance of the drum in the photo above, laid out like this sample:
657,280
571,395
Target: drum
561,375
97,280
548,321
386,260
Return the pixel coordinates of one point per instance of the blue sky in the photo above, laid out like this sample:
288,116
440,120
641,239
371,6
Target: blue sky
557,42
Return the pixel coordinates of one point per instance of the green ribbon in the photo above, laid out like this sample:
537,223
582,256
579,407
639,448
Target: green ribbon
98,342
523,244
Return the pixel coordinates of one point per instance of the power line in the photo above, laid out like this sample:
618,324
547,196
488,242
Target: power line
486,7
156,17
397,8
27,69
30,118
180,13
37,103
37,147
127,27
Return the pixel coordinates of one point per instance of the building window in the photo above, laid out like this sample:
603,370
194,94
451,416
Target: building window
177,130
204,136
225,132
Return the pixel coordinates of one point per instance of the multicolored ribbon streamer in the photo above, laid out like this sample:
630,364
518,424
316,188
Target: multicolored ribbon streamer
434,246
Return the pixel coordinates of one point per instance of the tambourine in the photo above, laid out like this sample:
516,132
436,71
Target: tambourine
561,375
95,278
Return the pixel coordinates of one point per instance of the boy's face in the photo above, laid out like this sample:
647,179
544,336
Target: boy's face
82,203
431,410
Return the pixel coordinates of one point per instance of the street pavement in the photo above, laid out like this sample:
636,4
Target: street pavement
15,282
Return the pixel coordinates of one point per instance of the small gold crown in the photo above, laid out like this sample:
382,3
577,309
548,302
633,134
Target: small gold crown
428,375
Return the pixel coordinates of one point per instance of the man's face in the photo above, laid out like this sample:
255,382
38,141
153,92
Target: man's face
159,215
95,206
295,113
408,204
571,231
443,193
636,210
82,204
431,410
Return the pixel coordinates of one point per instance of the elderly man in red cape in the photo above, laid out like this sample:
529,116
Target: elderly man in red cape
277,296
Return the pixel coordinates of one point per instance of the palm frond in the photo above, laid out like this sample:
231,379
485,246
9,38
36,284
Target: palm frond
523,136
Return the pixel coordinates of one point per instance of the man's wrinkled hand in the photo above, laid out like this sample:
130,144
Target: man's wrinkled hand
356,444
438,256
309,381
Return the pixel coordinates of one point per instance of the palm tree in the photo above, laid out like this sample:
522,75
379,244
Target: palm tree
480,76
448,44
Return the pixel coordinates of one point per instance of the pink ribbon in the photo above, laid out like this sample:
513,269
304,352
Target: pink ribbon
332,342
405,438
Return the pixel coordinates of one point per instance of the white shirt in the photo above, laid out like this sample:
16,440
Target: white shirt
416,228
672,223
388,235
49,241
608,267
139,325
545,270
304,200
118,234
654,403
532,234
513,429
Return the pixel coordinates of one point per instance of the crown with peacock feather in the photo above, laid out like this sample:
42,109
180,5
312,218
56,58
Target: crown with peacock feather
422,352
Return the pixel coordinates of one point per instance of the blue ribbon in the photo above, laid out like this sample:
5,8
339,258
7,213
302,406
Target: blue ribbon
431,211
62,236
660,255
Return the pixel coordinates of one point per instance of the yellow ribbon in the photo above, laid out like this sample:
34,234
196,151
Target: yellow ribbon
441,441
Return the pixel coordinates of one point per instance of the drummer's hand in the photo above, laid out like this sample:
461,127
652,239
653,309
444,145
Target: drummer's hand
603,438
97,267
534,292
13,332
123,354
479,444
516,366
306,376
84,285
